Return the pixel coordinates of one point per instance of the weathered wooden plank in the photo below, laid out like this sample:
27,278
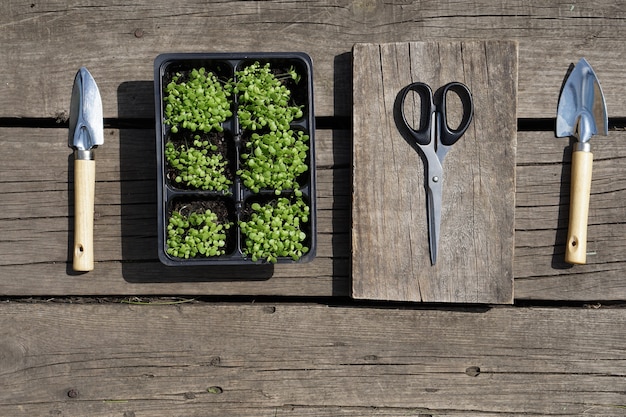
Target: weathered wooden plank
541,218
267,360
33,240
36,220
36,227
324,277
390,246
44,43
127,154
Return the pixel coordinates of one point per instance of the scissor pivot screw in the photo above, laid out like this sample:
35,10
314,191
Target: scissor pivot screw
435,179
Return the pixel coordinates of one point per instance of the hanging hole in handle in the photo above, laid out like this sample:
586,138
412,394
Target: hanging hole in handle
454,109
458,111
416,110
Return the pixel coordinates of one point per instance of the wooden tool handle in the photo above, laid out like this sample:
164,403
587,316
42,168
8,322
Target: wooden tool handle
84,192
576,250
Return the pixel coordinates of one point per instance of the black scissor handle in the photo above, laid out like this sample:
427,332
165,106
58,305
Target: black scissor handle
449,136
427,106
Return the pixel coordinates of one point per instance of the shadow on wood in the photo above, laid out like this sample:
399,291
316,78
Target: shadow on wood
558,256
560,238
342,80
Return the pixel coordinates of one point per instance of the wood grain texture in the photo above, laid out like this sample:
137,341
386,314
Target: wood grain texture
285,360
580,190
390,249
44,43
36,220
84,194
541,220
37,212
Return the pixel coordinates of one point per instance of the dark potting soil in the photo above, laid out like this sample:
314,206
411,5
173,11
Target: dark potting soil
219,139
219,207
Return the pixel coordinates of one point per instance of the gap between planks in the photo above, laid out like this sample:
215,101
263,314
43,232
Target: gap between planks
321,123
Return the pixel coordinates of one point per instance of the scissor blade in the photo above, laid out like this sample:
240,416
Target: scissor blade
435,183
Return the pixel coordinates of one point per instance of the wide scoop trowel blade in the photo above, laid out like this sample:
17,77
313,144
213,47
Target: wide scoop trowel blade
582,110
86,124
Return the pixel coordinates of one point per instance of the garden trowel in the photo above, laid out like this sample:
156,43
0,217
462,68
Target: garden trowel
86,133
581,114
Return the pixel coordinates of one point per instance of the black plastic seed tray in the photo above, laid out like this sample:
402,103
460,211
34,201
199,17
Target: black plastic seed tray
234,203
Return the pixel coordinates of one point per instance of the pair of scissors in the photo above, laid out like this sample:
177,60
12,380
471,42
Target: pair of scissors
434,137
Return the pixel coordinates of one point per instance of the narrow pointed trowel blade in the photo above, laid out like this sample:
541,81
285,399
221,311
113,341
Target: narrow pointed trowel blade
582,110
86,124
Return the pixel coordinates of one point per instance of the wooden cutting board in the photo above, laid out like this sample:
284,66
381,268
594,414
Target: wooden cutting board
390,249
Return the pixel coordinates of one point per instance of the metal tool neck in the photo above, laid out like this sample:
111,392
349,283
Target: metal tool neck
84,155
582,147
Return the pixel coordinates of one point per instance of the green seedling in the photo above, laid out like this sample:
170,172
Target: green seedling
274,161
200,103
275,230
195,235
198,166
264,101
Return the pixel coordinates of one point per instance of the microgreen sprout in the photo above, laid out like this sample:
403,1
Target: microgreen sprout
294,75
198,166
198,104
264,101
275,230
274,160
198,234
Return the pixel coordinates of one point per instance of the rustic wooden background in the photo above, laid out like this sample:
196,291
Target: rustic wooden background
390,245
134,338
